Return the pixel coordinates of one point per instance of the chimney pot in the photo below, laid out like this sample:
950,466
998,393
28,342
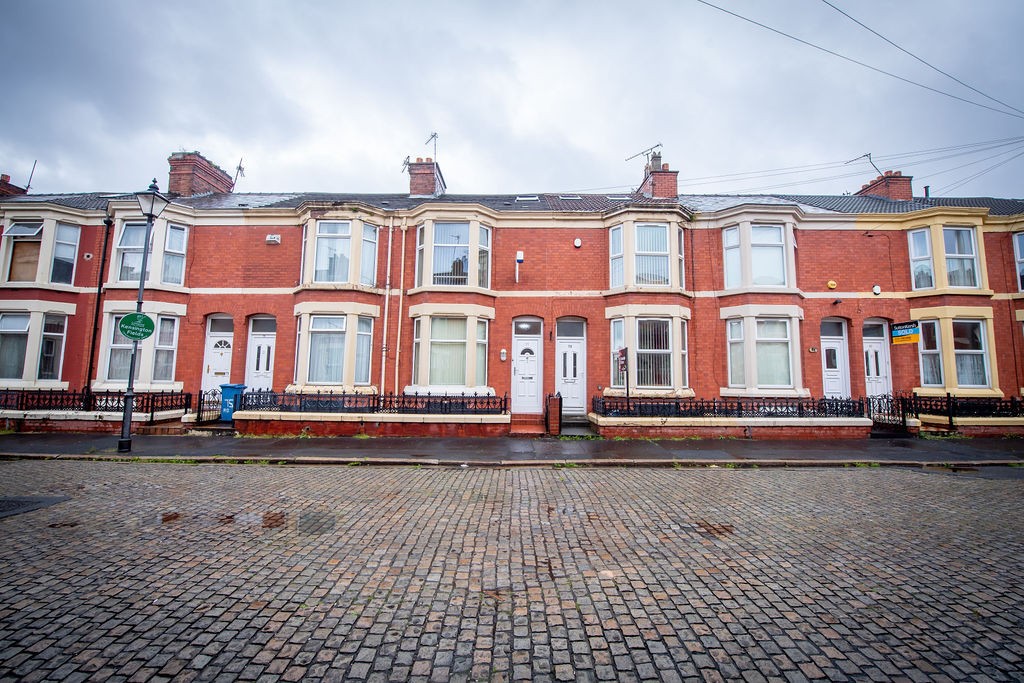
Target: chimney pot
4,178
429,160
419,160
664,167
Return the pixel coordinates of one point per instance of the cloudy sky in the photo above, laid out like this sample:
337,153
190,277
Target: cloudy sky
529,96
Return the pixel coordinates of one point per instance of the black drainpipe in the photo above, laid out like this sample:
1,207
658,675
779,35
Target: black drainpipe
108,222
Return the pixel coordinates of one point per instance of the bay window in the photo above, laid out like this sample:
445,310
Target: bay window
653,339
762,343
449,348
921,270
120,354
165,349
368,257
961,257
618,339
453,254
364,339
333,346
756,255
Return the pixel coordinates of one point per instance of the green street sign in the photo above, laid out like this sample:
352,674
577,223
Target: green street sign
136,326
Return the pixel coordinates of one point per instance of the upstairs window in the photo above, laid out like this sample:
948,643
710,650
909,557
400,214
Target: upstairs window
174,255
767,256
615,275
25,242
368,257
484,262
921,270
651,254
1018,246
129,259
961,257
333,248
65,252
451,253
755,256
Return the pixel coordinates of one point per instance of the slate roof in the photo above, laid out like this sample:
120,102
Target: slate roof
544,202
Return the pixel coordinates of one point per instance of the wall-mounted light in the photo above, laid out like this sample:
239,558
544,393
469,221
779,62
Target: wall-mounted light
577,243
504,355
876,290
519,259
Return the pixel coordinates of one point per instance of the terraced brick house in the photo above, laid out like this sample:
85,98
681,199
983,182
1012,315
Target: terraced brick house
651,313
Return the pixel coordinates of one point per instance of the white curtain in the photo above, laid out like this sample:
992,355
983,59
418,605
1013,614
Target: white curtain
326,357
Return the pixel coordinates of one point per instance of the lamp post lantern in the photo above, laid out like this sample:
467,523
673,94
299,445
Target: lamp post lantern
152,204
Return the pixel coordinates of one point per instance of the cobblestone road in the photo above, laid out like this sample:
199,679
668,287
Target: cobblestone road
349,573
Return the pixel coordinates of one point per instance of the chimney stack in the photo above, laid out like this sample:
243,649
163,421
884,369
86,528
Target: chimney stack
192,174
891,185
7,189
425,179
659,181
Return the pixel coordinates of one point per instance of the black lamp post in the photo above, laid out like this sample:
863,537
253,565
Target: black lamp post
152,204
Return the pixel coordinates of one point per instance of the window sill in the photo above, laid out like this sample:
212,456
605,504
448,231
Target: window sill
40,384
649,393
159,286
759,289
451,288
338,286
140,387
940,392
950,291
738,392
52,286
447,390
329,389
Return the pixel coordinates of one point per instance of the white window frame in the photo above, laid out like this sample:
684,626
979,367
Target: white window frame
484,258
368,256
428,374
616,259
680,237
760,341
482,335
58,340
122,345
364,350
982,352
174,254
1018,248
343,243
57,244
759,247
683,357
734,341
163,347
421,237
925,351
732,258
20,232
618,341
417,331
654,353
124,250
446,342
917,259
457,248
318,327
661,257
10,327
971,257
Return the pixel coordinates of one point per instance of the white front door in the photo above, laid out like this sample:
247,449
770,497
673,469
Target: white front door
259,363
571,376
835,373
526,375
217,361
877,380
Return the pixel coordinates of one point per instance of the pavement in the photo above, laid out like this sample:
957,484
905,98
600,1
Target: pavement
137,571
511,451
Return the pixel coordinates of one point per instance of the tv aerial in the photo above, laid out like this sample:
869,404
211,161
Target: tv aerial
645,153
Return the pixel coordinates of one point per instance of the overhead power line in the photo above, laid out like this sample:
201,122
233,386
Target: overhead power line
926,63
860,63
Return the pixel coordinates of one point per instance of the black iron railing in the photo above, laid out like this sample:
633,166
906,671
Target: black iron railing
951,407
617,406
93,401
328,402
208,406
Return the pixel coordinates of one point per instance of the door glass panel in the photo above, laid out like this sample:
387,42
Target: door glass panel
264,325
527,327
874,330
569,328
831,359
831,328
